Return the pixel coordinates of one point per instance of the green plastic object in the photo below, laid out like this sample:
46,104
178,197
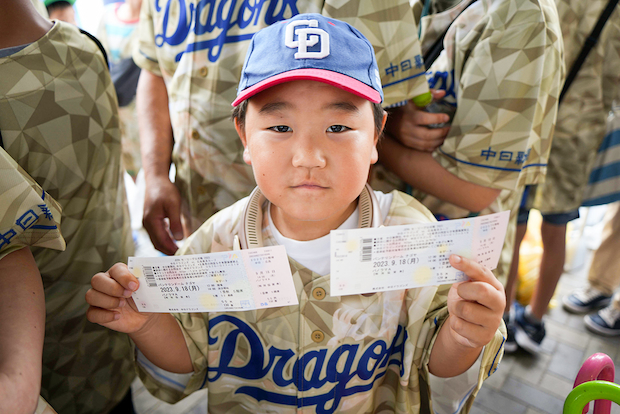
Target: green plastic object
422,100
590,391
48,2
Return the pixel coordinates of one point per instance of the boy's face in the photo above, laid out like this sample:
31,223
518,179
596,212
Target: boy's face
311,146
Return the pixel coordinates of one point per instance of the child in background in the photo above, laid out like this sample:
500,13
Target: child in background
309,117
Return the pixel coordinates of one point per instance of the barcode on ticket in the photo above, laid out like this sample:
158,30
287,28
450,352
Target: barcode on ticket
366,250
150,276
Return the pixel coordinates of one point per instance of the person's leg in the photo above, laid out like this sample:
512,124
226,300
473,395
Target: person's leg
604,274
603,277
529,326
511,283
551,267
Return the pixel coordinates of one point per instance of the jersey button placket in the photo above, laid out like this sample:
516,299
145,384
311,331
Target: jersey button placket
317,336
318,293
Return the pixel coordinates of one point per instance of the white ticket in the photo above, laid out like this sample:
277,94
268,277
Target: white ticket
215,282
409,256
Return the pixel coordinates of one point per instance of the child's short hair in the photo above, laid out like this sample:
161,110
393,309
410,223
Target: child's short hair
377,111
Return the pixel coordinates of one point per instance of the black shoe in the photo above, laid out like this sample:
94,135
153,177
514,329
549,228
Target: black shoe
604,322
585,300
528,335
510,345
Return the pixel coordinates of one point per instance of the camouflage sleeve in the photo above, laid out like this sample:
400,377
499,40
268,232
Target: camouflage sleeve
611,74
28,215
393,32
434,320
145,51
508,84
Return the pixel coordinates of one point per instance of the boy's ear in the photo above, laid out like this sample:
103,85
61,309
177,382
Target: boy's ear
374,157
242,137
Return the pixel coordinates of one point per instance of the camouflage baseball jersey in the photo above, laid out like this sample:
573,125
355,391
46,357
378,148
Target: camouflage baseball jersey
502,69
349,354
119,38
581,118
59,122
199,49
28,215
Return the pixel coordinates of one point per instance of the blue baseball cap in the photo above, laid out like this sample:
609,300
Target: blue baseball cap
310,47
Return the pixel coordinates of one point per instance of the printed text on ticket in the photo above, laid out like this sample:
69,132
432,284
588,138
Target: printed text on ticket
215,282
410,256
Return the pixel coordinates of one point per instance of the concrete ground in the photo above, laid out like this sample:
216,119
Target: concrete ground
524,383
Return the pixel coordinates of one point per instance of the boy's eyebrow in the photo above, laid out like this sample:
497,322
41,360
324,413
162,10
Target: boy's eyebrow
274,107
342,106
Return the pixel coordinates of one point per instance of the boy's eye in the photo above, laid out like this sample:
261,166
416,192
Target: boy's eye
337,128
281,128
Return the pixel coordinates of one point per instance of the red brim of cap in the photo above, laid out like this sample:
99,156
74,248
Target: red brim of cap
320,75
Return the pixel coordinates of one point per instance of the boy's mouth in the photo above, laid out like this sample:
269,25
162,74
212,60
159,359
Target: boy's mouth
310,185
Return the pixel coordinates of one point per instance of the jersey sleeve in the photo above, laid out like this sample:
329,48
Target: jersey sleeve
436,316
611,74
391,29
145,51
507,84
28,215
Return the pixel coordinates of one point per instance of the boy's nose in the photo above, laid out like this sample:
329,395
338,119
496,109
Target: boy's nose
307,153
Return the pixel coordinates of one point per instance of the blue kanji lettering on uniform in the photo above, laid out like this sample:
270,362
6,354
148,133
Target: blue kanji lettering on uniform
5,239
27,219
418,61
209,16
522,157
488,153
46,212
391,70
405,65
505,156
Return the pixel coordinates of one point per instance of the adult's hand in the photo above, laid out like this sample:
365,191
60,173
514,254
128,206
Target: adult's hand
162,200
162,214
410,126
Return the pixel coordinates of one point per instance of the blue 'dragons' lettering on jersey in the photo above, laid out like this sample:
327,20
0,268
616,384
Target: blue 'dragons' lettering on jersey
209,16
367,364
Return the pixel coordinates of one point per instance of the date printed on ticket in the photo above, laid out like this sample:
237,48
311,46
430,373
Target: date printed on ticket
239,280
409,256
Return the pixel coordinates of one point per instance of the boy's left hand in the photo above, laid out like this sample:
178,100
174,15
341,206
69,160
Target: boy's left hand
476,306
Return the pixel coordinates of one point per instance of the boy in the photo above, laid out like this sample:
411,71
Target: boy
308,116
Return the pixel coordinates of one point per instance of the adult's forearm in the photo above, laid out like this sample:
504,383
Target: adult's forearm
22,306
162,342
156,138
421,171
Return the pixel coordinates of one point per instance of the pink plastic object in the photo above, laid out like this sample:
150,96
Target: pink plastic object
598,367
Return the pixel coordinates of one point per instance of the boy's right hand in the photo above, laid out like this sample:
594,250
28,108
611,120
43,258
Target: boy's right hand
111,304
